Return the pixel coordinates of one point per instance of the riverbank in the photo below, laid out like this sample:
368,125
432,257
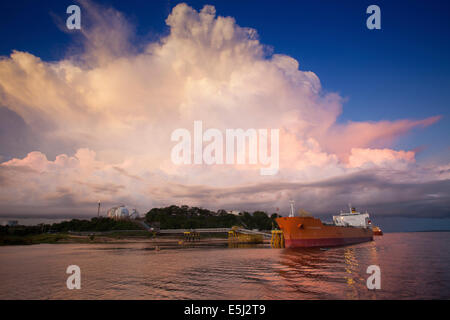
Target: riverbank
114,237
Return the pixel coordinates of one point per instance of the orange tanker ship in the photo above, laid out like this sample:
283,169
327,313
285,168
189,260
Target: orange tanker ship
347,228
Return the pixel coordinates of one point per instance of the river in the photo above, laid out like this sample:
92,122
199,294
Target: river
413,266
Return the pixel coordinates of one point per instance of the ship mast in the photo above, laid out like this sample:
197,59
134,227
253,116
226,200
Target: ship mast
292,208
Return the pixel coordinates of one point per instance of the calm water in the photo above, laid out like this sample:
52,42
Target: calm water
413,266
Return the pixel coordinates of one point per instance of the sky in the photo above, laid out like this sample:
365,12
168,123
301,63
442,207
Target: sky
87,115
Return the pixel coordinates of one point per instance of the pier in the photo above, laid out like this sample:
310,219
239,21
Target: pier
235,234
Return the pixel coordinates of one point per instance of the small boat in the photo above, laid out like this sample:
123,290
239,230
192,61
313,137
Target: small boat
377,231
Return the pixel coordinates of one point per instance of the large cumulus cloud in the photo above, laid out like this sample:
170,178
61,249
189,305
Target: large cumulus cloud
106,116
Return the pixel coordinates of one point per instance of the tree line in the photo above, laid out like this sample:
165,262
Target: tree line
185,217
172,217
77,225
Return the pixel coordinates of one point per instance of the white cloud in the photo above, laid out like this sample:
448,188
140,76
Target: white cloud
117,106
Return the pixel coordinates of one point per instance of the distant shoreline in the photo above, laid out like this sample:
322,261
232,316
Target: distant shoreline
110,238
138,236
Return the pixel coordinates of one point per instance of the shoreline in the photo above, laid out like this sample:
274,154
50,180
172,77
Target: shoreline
117,238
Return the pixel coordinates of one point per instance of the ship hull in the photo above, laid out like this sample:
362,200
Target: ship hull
311,232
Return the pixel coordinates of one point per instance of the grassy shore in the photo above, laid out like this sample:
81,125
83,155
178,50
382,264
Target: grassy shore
107,237
6,240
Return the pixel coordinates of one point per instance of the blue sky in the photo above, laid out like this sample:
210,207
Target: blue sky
400,71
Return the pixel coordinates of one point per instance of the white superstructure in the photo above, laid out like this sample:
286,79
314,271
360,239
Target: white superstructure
353,219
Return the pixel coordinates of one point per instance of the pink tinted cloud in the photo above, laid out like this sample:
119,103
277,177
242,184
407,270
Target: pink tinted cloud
341,138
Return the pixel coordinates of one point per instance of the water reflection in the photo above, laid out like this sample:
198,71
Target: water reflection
331,274
412,266
350,269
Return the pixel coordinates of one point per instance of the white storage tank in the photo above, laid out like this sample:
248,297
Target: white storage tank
134,214
122,212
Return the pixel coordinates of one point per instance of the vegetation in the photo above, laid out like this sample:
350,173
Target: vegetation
46,233
95,224
7,239
184,217
172,217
